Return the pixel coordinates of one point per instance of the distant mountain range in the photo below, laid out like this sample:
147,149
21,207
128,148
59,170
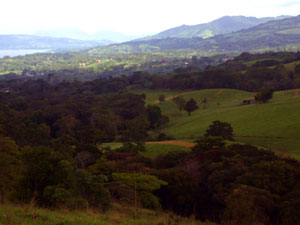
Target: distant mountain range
223,25
108,35
284,33
19,41
229,33
279,33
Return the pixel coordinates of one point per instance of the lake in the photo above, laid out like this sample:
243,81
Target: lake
21,52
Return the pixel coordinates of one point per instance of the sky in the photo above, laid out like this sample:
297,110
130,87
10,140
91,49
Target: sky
132,17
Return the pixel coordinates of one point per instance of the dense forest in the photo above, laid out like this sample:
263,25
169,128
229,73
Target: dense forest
51,131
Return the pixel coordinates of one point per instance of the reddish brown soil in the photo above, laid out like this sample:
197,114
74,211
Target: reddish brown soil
258,137
169,98
215,94
296,93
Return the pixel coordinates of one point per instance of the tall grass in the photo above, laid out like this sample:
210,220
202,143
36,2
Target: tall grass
29,215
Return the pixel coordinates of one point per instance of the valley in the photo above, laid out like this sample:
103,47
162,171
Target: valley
197,124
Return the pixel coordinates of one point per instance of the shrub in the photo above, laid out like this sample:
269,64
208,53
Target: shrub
220,129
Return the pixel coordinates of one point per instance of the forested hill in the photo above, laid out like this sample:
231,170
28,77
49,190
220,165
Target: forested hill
283,34
18,41
270,35
223,25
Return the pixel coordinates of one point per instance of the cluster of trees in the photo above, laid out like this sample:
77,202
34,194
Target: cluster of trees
35,113
50,137
182,104
230,184
252,79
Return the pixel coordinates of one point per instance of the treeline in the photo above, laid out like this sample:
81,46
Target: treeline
34,112
250,72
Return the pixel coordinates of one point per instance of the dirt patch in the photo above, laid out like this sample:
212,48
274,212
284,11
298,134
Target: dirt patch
296,93
169,98
177,143
215,94
259,137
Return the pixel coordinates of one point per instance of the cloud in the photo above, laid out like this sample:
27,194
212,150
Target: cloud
290,4
130,16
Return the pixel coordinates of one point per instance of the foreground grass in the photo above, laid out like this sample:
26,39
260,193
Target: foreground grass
27,215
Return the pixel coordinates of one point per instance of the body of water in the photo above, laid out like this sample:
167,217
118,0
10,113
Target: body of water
21,52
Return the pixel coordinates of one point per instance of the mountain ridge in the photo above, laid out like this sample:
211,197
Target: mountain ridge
101,35
25,41
283,33
223,25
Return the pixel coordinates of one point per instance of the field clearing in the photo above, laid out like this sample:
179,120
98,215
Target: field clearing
275,125
291,66
153,149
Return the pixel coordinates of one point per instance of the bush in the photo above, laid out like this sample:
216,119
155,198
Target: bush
170,159
207,143
264,95
220,129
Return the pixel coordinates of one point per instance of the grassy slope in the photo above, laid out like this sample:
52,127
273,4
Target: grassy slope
275,124
152,150
25,215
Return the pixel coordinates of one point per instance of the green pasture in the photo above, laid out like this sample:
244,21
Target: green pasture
152,150
153,95
275,124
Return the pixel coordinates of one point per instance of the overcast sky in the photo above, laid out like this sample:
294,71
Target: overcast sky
130,16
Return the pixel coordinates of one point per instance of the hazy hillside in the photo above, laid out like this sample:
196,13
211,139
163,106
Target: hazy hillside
106,36
223,25
283,34
73,33
36,42
274,34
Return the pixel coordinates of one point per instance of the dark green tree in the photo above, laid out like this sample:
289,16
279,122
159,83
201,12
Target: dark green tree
204,102
180,102
132,147
220,129
161,98
264,95
208,143
154,116
43,168
297,69
91,188
143,186
9,161
136,129
249,205
191,106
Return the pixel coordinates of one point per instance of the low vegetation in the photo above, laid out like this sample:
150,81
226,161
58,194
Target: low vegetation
29,215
